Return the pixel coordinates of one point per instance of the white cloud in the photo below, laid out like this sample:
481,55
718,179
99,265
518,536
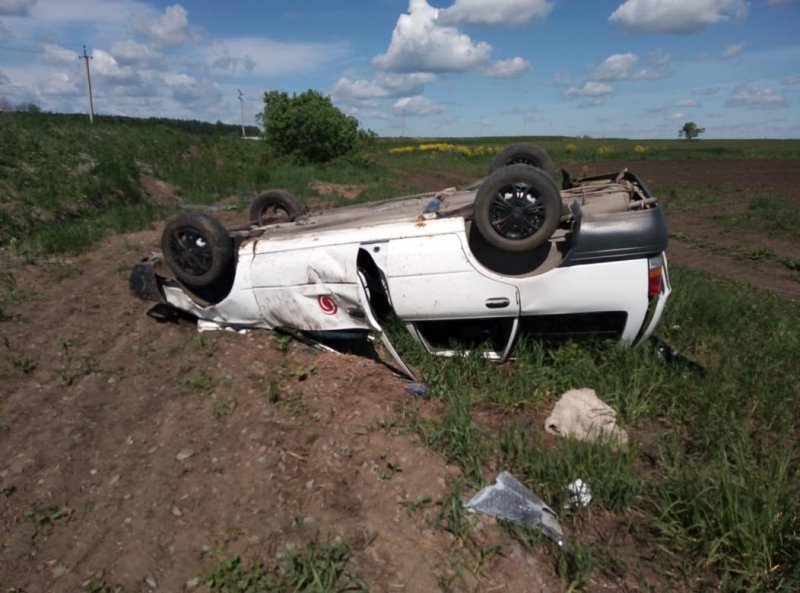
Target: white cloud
592,90
748,96
267,57
171,28
418,105
616,67
234,64
105,66
498,13
677,116
134,53
561,79
685,103
191,92
404,84
420,44
386,84
620,67
62,84
675,16
96,12
732,51
361,92
16,7
791,80
512,68
657,67
55,54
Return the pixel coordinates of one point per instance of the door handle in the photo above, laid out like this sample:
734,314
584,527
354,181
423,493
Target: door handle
497,303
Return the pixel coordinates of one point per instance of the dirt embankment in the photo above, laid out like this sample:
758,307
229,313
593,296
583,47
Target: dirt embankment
135,453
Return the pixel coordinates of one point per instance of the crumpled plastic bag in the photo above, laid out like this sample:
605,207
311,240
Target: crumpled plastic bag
580,414
509,499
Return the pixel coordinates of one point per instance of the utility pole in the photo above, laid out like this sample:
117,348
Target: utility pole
241,109
86,58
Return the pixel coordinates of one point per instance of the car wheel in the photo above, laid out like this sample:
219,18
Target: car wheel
197,248
522,153
275,205
517,208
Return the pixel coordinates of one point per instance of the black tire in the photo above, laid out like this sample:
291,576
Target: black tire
522,153
517,208
198,249
275,205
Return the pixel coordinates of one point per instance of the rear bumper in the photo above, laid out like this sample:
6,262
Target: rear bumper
656,306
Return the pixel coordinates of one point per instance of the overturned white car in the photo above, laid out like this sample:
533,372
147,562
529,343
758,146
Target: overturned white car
462,269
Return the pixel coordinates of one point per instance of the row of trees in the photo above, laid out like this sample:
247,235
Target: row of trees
309,127
6,106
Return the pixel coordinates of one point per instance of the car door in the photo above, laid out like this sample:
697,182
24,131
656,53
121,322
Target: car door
433,285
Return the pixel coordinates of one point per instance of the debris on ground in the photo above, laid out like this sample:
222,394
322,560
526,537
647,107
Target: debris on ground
510,500
671,356
579,493
579,413
419,390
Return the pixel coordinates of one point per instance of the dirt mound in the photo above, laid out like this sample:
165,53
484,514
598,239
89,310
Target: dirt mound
140,455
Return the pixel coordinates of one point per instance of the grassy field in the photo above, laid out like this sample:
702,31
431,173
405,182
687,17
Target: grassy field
705,496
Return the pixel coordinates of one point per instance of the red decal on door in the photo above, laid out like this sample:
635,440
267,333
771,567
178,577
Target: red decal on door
327,304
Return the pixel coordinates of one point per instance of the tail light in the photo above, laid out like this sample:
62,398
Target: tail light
655,270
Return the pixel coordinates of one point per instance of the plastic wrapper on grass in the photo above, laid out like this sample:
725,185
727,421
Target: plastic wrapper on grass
510,500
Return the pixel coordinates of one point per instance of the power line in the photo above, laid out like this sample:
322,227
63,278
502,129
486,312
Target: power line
86,59
29,51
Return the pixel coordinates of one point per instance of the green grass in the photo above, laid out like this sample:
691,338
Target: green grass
65,184
709,481
319,567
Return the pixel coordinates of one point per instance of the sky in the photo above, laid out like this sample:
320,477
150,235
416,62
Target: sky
421,68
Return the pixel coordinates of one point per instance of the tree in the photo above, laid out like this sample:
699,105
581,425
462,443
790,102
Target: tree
308,127
690,130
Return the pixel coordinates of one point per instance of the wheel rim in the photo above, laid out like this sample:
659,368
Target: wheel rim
192,252
516,212
271,213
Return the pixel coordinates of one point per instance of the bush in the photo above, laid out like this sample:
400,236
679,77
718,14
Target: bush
309,128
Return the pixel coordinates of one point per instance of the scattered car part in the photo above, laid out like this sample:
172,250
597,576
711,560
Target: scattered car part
669,355
419,390
510,500
579,493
